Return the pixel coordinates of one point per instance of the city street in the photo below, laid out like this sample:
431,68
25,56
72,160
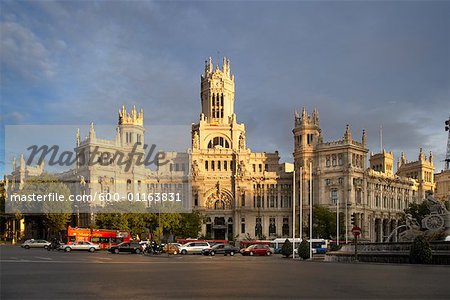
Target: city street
39,274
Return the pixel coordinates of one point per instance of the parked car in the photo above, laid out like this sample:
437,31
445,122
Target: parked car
84,246
126,247
258,249
221,249
194,247
35,244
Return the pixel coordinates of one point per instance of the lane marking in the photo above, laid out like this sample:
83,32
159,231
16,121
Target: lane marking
45,258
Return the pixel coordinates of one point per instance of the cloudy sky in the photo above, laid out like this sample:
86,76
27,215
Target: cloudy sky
360,63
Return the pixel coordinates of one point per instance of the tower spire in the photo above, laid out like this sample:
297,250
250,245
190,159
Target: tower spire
217,93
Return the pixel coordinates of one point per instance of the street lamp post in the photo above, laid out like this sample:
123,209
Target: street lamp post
337,221
346,219
290,168
77,216
310,210
301,203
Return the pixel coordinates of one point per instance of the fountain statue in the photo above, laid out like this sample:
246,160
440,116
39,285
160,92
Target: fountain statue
434,226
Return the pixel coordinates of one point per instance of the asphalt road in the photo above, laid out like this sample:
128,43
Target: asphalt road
39,274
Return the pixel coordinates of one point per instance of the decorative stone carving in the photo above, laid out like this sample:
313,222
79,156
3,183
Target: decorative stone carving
434,225
195,141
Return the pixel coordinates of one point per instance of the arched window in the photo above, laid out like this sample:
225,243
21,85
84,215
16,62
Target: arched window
272,227
129,184
219,204
218,141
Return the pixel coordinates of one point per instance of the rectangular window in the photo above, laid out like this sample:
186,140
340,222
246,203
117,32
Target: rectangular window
206,165
225,165
334,196
266,167
285,226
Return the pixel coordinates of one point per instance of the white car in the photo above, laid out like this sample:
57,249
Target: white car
35,244
86,246
194,247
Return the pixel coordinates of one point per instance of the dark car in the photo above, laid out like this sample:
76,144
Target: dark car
126,247
221,249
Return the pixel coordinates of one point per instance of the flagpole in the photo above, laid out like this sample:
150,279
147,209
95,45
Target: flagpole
293,213
301,204
310,210
337,220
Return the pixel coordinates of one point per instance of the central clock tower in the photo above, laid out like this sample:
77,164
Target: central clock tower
218,127
217,92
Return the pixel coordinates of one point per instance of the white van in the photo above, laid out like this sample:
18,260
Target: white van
194,247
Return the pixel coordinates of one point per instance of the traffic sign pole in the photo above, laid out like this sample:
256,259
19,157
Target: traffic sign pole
356,232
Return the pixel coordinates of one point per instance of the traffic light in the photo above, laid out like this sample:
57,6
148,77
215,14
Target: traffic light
353,219
447,125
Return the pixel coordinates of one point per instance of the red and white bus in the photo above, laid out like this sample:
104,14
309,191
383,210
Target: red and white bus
103,237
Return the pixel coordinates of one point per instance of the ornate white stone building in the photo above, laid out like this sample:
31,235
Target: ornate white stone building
374,193
241,192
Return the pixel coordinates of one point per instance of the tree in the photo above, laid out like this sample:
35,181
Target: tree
420,252
324,223
190,225
303,249
287,248
55,215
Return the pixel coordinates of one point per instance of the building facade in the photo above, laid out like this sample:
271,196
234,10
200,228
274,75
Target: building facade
243,193
342,181
442,181
240,192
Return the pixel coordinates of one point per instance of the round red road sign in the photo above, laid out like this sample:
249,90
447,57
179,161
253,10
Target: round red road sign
356,230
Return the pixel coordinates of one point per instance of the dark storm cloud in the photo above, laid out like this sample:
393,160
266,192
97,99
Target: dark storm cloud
363,64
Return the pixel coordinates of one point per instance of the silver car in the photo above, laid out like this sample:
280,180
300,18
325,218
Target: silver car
35,244
86,246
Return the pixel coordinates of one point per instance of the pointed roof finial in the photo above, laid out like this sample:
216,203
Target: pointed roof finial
210,65
347,134
431,157
364,137
91,131
78,137
421,154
